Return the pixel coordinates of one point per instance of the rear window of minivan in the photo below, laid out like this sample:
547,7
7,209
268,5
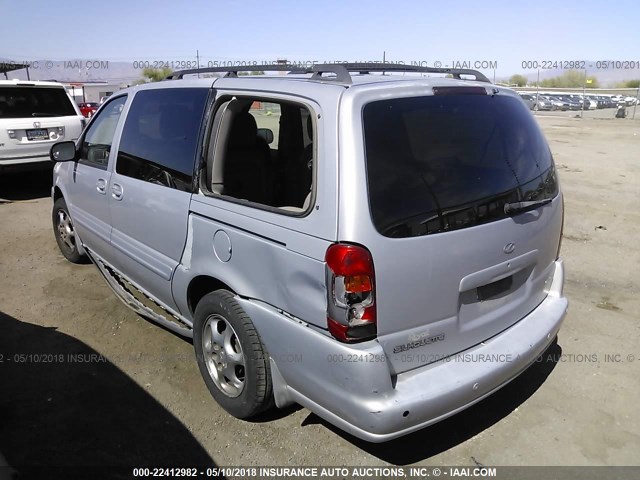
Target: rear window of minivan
28,102
442,163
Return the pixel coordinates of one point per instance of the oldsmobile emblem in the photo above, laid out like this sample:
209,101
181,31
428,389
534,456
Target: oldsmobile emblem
419,343
509,248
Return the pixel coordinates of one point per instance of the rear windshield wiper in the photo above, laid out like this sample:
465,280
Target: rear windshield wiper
40,114
518,207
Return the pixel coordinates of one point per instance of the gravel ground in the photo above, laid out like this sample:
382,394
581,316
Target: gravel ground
85,381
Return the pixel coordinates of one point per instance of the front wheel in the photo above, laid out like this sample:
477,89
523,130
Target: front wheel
65,233
230,355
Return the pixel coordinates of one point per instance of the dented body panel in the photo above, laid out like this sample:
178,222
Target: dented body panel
265,262
350,385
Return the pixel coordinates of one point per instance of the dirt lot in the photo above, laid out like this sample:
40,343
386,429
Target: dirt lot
140,399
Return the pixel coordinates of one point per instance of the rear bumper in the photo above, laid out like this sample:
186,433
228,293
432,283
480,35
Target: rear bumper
16,161
350,386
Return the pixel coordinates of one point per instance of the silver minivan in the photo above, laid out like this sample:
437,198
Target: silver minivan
382,249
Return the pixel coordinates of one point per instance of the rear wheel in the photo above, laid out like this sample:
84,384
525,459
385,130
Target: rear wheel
65,233
230,355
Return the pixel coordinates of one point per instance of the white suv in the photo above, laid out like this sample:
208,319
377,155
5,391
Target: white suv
34,116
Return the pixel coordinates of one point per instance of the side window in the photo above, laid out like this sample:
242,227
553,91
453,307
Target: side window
267,116
264,153
96,144
160,135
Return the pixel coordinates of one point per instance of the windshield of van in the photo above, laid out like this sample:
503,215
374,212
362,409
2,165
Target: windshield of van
442,163
29,102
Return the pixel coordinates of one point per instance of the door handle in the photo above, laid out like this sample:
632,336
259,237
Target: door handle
116,191
101,186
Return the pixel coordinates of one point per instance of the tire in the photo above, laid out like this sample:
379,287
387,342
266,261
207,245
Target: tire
232,360
65,233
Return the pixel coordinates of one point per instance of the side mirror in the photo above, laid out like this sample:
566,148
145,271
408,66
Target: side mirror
63,152
266,134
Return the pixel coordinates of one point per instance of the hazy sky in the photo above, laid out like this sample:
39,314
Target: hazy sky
504,31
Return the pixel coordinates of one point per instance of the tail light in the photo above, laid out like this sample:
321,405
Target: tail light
561,230
351,308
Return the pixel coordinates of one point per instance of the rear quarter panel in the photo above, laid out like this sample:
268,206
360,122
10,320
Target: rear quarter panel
276,258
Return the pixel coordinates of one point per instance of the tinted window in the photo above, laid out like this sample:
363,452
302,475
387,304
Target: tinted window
160,136
97,141
21,102
441,163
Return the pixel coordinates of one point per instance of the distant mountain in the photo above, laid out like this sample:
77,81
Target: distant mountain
86,70
76,70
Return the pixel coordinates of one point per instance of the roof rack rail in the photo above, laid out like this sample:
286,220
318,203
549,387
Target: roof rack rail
341,74
340,70
399,67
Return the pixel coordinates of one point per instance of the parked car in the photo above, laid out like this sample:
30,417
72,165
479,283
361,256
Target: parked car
547,103
631,101
608,101
558,103
590,103
573,103
542,103
33,116
88,108
583,102
598,103
601,101
529,100
355,274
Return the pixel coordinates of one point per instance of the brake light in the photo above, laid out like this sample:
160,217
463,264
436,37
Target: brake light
459,91
351,309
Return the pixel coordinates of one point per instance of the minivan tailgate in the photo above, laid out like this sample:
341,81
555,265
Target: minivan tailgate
454,290
461,212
